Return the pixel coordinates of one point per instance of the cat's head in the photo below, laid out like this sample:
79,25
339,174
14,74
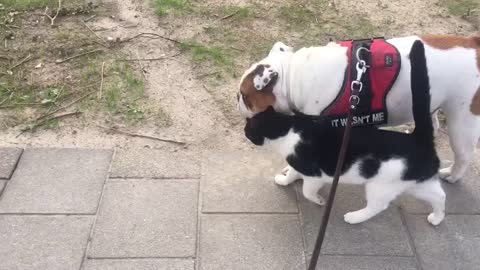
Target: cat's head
268,124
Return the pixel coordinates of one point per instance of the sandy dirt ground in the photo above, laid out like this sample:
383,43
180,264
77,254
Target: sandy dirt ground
204,113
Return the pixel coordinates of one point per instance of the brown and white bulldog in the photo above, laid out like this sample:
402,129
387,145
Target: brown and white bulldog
308,80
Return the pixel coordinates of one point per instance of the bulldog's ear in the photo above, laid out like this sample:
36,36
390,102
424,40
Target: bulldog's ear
264,74
280,47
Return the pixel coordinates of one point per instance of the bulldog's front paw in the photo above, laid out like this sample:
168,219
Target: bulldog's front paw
446,174
281,180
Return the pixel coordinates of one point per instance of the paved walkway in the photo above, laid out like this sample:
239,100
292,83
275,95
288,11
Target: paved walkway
148,209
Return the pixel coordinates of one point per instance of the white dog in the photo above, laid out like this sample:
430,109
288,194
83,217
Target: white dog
310,79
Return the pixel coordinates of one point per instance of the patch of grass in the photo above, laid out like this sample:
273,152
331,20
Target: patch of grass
123,90
296,15
241,12
463,8
164,7
29,4
360,27
214,54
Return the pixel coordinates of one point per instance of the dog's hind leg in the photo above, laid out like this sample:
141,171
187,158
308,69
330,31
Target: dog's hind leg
464,132
432,192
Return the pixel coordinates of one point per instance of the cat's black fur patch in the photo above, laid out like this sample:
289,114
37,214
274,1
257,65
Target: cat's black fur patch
320,143
369,167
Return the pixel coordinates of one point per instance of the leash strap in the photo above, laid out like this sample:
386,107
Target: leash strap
356,88
331,196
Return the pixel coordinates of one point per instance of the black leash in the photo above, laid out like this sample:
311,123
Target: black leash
331,196
356,88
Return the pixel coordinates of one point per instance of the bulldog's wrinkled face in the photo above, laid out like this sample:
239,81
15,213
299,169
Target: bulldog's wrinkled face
257,83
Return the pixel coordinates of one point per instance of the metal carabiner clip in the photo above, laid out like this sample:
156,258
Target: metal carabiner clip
361,67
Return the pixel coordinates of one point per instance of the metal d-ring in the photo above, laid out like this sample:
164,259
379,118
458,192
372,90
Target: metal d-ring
357,54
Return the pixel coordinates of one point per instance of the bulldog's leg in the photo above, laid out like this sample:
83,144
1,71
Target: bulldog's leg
464,132
436,123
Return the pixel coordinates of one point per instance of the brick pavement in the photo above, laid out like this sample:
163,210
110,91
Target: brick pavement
92,209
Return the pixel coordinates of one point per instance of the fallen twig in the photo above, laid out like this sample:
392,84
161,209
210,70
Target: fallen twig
91,30
59,61
130,26
151,34
207,75
17,104
26,59
36,125
142,69
141,135
148,59
334,5
64,107
52,19
230,15
89,18
100,93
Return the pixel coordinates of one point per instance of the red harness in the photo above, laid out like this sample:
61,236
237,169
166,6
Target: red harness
384,65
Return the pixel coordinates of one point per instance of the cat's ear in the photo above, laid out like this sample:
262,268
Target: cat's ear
270,109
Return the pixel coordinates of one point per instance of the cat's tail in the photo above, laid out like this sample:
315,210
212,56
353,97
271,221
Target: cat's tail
421,95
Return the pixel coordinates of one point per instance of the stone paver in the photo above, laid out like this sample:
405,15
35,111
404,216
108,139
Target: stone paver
2,185
140,264
146,218
8,159
383,235
43,242
154,163
242,181
57,181
463,197
260,242
366,263
455,244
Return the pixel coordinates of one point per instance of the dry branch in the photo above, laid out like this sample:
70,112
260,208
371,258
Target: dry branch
59,61
230,15
142,135
154,36
52,19
100,94
38,124
66,106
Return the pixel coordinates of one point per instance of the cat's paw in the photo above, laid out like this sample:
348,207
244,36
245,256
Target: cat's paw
446,174
281,180
435,219
317,200
354,217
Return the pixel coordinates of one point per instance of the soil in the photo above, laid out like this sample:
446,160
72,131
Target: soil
204,113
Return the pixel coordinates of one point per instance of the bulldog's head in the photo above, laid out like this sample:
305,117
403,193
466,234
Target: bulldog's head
258,82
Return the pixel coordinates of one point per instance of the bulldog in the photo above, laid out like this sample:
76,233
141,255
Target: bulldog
309,80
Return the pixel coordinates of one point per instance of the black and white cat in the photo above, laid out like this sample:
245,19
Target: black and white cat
388,163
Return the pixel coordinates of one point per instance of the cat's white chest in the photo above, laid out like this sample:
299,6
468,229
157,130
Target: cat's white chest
286,144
